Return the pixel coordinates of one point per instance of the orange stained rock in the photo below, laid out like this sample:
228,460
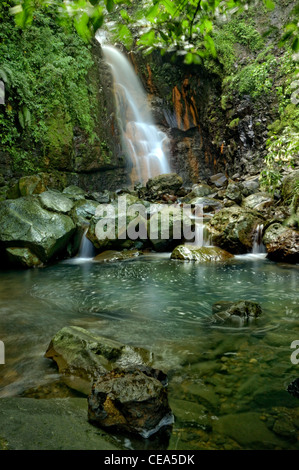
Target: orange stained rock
150,79
178,108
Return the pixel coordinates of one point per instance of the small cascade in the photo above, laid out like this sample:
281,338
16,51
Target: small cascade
145,146
258,247
86,250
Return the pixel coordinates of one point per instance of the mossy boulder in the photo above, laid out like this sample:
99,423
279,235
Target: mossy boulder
168,227
31,185
55,201
233,228
200,254
240,312
258,201
132,400
282,243
168,183
25,224
22,257
81,353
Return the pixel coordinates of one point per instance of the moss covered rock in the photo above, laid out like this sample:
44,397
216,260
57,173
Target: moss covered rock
203,254
282,243
25,224
233,228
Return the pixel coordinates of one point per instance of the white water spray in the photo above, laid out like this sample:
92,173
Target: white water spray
258,247
145,146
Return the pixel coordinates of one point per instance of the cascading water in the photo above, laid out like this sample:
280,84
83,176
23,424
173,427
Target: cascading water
145,146
258,247
86,250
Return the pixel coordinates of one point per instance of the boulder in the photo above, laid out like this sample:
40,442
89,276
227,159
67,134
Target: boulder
55,201
232,228
168,227
113,255
241,312
168,183
74,192
132,400
293,388
290,186
118,226
31,185
202,254
258,201
234,192
25,224
198,190
22,257
83,211
282,243
218,180
79,352
208,204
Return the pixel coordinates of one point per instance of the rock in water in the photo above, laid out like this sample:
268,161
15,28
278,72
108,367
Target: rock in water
130,400
241,312
203,254
78,352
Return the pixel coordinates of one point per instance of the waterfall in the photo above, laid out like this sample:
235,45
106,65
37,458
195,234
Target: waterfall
86,250
145,146
258,247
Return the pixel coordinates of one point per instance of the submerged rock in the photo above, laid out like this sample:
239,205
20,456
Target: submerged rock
78,352
113,255
240,312
25,224
132,400
282,243
232,228
202,254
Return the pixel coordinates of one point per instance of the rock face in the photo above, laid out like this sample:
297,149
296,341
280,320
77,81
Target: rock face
25,224
290,186
203,254
240,313
282,243
132,400
78,352
232,228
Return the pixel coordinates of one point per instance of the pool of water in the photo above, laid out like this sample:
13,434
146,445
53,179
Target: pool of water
227,385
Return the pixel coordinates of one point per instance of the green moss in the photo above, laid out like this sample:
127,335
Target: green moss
47,90
234,123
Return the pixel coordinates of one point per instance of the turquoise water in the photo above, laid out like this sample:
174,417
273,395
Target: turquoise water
227,385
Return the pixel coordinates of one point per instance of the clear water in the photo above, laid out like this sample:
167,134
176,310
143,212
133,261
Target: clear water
219,377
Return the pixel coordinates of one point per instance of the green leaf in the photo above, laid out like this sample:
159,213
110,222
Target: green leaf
81,25
269,4
109,5
295,45
153,12
147,39
169,6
